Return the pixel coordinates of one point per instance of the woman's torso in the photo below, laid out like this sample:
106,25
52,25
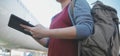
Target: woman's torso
62,47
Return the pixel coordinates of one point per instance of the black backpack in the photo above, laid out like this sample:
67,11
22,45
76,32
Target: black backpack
105,39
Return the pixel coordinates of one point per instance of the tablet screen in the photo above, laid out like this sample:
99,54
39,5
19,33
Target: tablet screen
15,22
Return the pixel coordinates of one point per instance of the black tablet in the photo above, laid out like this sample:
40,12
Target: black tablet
15,22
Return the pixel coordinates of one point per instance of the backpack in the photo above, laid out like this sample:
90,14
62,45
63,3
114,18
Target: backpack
105,39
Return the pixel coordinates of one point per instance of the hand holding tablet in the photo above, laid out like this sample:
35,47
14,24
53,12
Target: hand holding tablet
15,22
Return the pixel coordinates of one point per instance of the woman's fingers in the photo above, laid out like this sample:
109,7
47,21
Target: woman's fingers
38,31
27,28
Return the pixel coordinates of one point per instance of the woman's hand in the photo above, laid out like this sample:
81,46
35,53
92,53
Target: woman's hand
38,31
41,32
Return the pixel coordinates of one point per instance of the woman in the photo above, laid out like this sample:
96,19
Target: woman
65,29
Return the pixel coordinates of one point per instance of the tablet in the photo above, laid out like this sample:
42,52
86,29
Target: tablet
15,22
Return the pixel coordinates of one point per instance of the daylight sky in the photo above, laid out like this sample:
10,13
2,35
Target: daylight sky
44,10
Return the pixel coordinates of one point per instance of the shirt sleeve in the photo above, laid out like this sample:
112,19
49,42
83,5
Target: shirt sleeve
83,19
47,44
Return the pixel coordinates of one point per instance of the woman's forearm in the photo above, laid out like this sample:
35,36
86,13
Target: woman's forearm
63,33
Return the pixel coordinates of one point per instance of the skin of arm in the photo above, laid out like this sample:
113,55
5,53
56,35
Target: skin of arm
42,32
